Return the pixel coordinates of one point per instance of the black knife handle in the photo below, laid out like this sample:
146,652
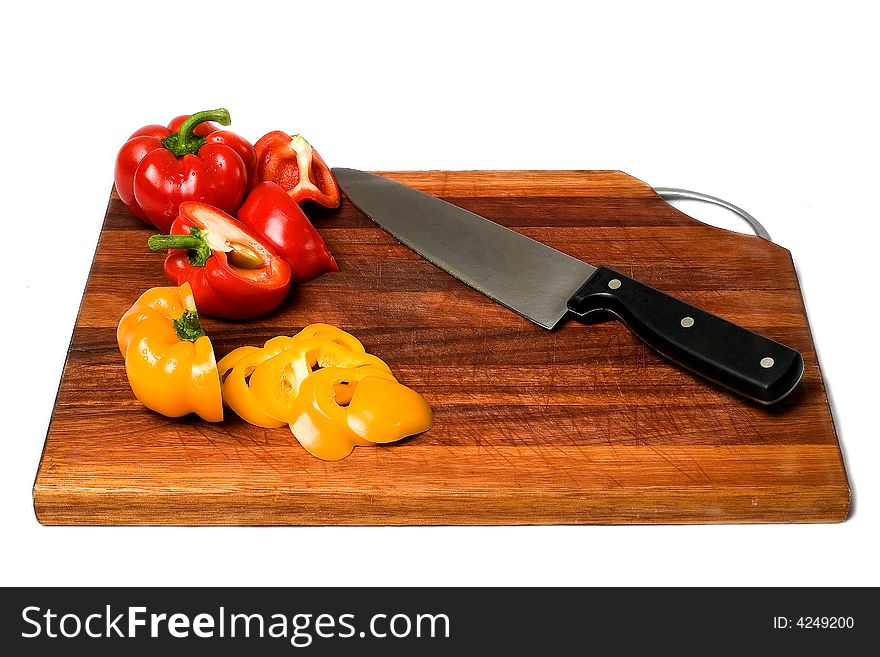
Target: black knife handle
739,359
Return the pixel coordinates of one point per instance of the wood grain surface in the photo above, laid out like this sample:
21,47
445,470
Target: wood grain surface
580,425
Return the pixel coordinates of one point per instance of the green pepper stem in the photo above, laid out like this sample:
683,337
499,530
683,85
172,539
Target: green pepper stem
164,242
188,326
196,243
184,141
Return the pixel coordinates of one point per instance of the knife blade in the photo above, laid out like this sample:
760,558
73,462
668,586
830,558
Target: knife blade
544,285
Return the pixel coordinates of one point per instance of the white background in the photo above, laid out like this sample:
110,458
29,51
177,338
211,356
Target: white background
769,105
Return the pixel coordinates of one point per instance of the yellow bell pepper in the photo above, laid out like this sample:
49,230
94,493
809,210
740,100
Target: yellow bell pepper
168,358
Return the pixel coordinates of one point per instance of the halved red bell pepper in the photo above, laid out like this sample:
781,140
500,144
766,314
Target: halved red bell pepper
232,271
157,169
276,217
291,162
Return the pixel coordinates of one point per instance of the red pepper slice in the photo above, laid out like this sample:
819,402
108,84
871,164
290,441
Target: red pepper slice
291,162
157,169
233,273
274,215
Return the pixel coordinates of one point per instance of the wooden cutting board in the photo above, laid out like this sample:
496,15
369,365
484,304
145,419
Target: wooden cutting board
580,425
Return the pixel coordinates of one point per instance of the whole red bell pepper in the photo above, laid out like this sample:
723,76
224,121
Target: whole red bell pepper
233,273
157,169
291,162
277,218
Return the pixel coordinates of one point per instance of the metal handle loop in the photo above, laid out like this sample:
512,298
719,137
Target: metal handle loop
675,194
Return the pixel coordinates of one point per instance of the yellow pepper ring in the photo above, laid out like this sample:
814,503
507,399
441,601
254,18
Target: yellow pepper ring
238,395
318,422
282,342
225,365
344,389
383,411
332,333
276,381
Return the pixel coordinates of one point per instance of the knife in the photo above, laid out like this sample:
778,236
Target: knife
544,285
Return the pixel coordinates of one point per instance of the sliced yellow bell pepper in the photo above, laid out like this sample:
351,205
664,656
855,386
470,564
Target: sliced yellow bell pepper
321,382
169,360
238,368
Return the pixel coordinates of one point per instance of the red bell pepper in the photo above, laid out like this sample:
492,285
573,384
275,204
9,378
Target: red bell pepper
291,162
214,134
157,169
277,218
233,273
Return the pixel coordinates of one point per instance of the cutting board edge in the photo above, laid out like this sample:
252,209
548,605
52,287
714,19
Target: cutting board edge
824,387
670,506
113,196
